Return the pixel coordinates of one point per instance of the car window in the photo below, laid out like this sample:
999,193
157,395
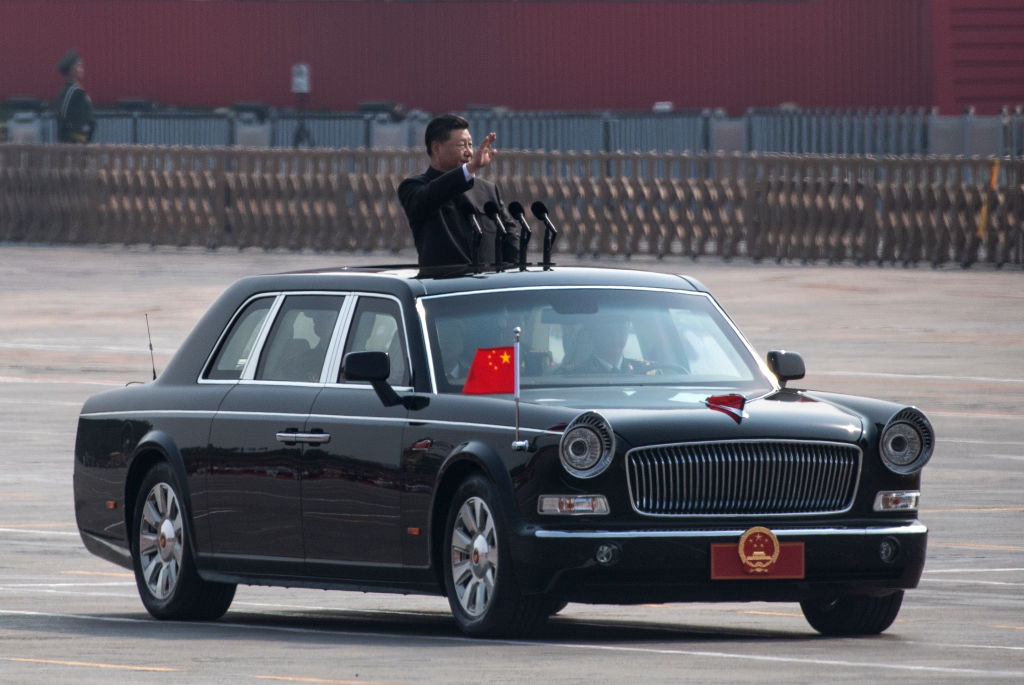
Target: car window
297,344
238,343
592,336
377,327
708,350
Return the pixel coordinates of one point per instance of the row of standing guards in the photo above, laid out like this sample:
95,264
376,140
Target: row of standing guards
874,132
864,209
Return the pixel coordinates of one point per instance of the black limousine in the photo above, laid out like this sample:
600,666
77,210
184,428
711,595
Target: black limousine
512,440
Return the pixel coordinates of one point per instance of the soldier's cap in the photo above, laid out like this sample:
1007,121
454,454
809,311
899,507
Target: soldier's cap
67,61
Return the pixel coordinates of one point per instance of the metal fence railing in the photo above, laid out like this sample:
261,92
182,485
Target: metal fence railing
862,208
796,131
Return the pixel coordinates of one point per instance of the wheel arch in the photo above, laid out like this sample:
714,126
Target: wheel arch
154,448
467,459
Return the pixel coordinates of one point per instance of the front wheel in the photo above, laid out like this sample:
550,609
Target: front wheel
165,572
479,579
852,614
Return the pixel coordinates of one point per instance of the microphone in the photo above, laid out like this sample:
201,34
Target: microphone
469,211
516,211
550,232
491,210
541,212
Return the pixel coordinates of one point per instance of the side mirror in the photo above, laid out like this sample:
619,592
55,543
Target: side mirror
366,366
787,366
374,367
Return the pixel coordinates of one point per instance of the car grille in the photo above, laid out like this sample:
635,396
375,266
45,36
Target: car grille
743,477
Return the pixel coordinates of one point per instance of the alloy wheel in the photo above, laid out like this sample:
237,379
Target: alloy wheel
474,556
161,541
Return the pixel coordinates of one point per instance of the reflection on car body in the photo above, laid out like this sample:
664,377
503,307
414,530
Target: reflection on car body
315,430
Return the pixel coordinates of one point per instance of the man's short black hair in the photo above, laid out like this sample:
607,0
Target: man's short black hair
441,127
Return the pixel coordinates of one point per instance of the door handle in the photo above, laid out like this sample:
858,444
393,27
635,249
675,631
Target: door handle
308,438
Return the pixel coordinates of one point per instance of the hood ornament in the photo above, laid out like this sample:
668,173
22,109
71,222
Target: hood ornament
730,405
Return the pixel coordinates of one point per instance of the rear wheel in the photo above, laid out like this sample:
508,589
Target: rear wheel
479,579
852,614
165,573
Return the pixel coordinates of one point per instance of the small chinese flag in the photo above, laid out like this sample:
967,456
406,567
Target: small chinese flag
493,372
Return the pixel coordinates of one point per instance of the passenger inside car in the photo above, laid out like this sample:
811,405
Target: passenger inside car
299,341
452,339
597,347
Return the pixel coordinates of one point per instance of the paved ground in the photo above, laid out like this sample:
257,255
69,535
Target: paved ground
72,322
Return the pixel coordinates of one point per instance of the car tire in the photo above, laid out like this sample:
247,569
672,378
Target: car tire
852,614
479,579
165,572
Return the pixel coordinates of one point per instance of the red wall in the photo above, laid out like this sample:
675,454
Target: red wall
526,55
979,55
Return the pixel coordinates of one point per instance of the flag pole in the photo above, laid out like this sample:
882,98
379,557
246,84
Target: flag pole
517,445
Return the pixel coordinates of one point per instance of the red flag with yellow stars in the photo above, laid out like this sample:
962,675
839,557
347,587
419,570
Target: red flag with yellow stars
493,372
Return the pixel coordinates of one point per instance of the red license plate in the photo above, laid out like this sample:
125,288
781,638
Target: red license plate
728,564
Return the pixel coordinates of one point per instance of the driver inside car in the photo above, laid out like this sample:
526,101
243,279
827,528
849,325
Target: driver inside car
599,348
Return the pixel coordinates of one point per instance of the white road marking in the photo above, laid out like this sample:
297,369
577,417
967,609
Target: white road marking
922,376
960,581
80,349
109,583
59,381
967,441
38,532
796,661
972,570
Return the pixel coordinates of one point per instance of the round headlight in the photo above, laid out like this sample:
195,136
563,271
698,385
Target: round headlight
907,442
587,445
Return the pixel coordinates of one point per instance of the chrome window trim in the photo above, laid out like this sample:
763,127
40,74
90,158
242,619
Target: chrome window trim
914,528
361,386
761,365
421,316
249,373
332,366
845,445
252,362
256,346
357,295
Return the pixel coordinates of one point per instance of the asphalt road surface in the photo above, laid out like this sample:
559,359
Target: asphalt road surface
72,323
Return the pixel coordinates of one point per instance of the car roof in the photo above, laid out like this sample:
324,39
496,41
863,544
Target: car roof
396,278
402,282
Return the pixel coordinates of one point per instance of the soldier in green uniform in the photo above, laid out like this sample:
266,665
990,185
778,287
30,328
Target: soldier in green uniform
75,122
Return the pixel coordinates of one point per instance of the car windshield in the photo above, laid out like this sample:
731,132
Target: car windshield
575,338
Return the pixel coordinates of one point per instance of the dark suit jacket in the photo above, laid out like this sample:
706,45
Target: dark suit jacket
75,120
437,204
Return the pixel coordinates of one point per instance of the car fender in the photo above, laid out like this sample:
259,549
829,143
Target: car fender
874,412
465,458
486,460
157,441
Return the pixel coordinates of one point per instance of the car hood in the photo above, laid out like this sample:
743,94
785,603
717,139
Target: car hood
641,416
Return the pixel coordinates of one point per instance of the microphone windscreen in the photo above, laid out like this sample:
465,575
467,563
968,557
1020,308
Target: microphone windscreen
516,210
539,210
491,209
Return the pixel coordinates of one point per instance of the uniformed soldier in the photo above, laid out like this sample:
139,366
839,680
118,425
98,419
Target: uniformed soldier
75,122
